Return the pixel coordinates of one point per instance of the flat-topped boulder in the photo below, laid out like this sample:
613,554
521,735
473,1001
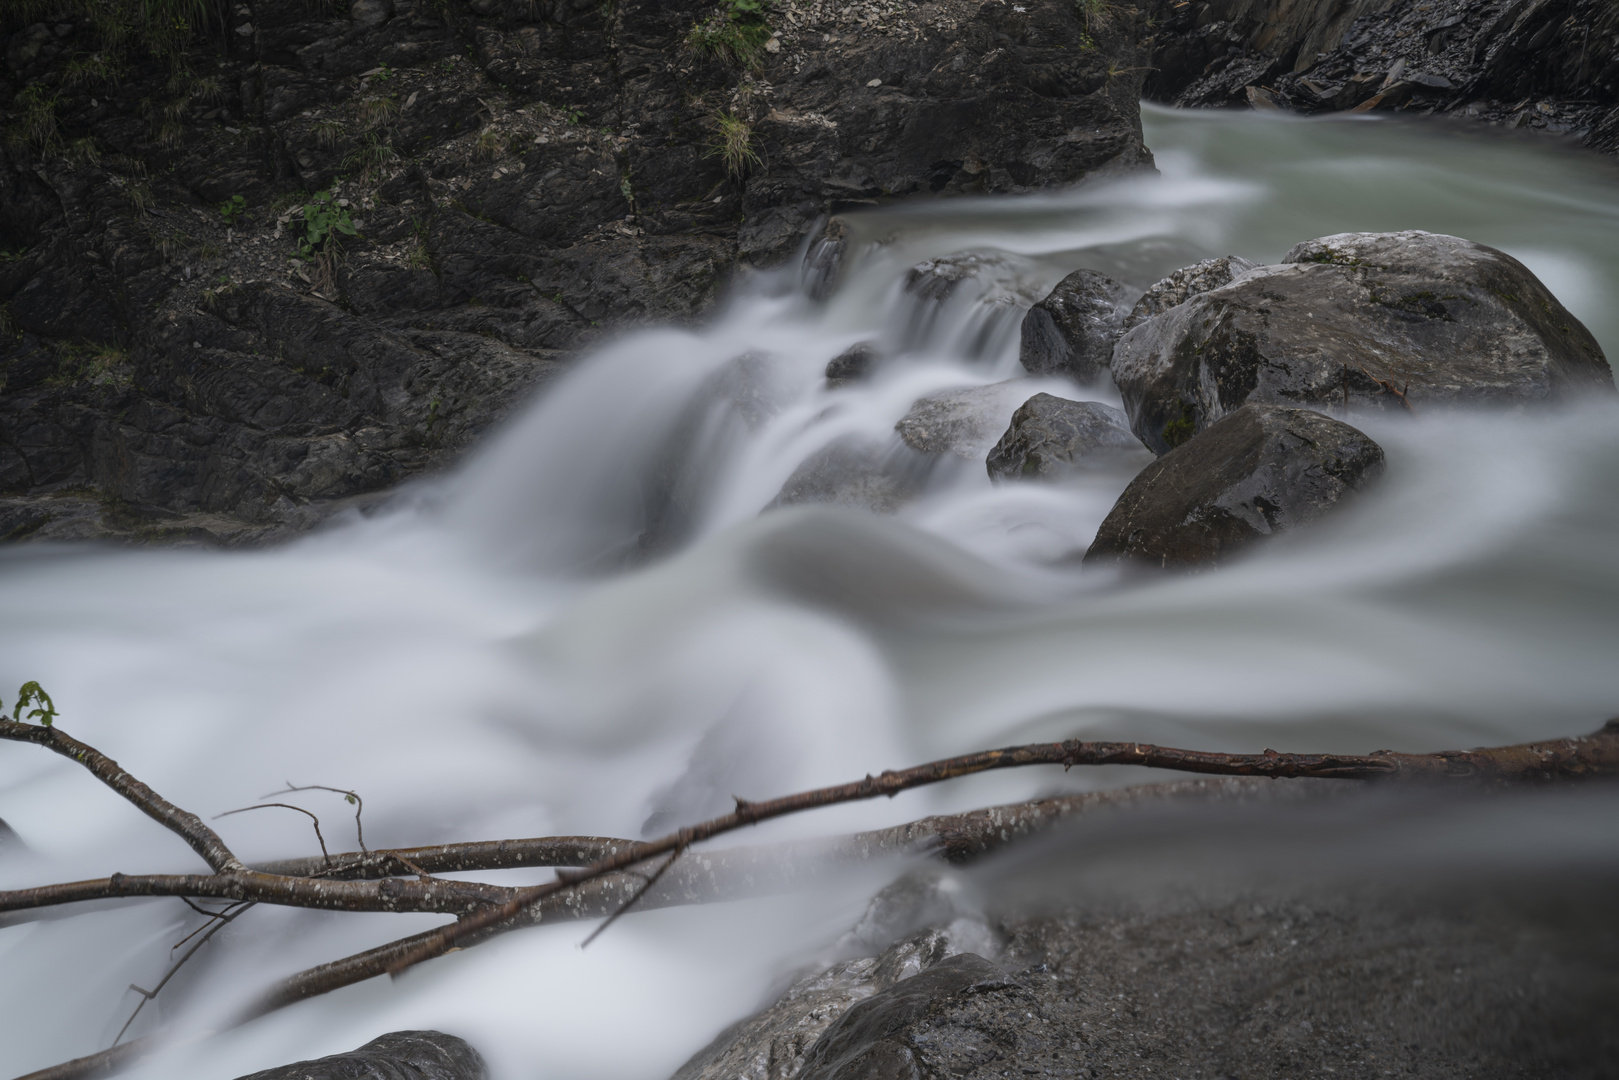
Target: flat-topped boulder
1357,321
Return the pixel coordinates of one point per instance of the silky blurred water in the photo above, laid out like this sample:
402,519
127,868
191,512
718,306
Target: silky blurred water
590,627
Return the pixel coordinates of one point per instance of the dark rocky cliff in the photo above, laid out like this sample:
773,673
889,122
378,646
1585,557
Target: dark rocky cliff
1548,66
519,176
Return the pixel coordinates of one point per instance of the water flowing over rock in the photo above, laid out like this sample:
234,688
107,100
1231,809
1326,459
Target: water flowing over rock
858,473
1260,471
398,1055
1360,321
1051,437
964,422
518,177
1071,332
856,362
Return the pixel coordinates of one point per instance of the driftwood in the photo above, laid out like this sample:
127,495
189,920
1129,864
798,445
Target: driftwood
608,883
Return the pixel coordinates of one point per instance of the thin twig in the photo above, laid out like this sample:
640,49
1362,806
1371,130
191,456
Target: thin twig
285,806
351,796
148,995
642,891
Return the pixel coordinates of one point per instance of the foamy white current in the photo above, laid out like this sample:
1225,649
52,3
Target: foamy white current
502,653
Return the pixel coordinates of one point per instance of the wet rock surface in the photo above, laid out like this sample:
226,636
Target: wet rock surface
1546,66
1072,331
1260,471
857,473
965,422
398,1055
853,364
517,176
1184,284
1406,320
1276,983
1051,437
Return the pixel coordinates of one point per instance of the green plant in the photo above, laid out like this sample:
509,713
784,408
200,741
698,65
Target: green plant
84,151
35,122
574,115
736,34
383,73
328,132
90,68
733,143
44,710
376,111
370,156
232,209
324,221
488,143
1183,427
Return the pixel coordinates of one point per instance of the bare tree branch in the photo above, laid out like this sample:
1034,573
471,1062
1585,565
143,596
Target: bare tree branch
222,919
456,858
1596,754
184,824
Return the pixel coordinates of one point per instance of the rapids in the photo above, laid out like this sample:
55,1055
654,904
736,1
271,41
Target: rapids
589,627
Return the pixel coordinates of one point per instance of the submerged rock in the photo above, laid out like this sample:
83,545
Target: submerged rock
1051,436
1358,320
1186,283
1071,332
964,422
858,473
1260,471
398,1055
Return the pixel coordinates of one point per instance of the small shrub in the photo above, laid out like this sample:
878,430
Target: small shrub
370,156
737,34
328,132
35,123
232,209
733,143
376,111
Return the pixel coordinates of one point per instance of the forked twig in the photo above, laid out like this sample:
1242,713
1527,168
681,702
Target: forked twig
646,887
223,919
352,797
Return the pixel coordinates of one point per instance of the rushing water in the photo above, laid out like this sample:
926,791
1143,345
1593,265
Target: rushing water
589,627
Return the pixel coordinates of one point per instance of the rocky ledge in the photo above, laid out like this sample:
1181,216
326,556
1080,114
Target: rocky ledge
255,276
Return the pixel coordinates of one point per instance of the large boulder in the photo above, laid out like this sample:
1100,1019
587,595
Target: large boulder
1051,437
1072,331
1262,470
964,421
398,1055
1407,320
1184,284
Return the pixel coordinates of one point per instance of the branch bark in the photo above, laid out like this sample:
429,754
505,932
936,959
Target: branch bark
184,824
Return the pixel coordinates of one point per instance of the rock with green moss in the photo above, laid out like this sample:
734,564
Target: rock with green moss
1258,472
1406,321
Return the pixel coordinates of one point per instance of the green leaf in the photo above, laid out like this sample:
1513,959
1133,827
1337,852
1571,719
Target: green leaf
32,691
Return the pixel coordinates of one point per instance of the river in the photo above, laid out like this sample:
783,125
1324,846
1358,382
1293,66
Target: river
589,627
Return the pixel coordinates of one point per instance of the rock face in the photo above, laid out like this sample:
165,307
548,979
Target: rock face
964,422
1051,437
1260,471
398,1055
1536,65
1368,320
517,175
1071,332
940,1022
1184,284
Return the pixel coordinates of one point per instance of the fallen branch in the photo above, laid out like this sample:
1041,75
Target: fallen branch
487,910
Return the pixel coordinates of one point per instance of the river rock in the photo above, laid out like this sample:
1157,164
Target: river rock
965,422
1262,470
853,364
1071,332
1186,283
398,1055
858,473
1051,437
1359,320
